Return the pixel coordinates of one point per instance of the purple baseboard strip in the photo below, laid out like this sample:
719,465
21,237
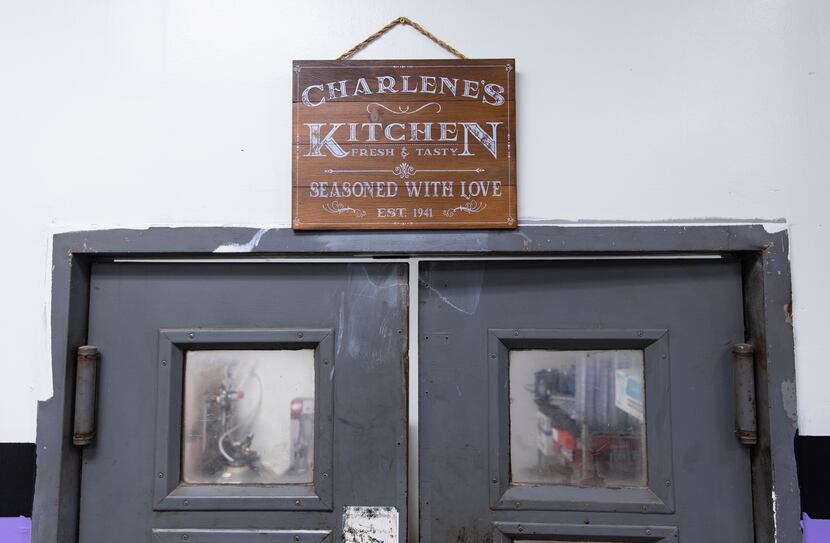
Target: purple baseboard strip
16,530
815,530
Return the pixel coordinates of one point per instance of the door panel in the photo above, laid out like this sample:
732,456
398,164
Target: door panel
276,391
592,453
215,388
609,381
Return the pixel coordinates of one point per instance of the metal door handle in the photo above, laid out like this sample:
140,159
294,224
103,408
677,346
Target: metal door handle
85,380
744,371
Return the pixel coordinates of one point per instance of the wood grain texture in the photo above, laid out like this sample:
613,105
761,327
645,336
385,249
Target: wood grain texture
404,144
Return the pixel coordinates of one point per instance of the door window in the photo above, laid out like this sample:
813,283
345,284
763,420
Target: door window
577,418
248,417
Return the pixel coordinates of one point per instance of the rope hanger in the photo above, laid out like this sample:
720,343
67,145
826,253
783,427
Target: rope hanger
389,26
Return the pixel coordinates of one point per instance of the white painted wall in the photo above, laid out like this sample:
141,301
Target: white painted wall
138,113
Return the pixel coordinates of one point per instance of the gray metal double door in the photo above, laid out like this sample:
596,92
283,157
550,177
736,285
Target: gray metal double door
558,401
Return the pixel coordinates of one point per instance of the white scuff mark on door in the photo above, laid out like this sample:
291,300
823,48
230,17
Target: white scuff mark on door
242,247
527,241
371,291
466,295
774,516
370,524
386,282
449,302
341,319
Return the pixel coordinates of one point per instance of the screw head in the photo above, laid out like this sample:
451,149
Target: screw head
161,475
299,334
164,362
297,502
191,335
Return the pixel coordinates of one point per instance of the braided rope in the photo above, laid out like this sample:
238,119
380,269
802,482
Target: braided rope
389,26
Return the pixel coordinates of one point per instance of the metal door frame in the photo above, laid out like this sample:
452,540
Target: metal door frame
767,309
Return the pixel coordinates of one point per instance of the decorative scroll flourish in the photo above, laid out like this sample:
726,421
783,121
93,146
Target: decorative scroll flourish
336,208
402,110
470,207
404,170
475,170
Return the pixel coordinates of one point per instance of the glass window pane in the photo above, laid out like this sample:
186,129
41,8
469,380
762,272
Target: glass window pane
248,417
577,418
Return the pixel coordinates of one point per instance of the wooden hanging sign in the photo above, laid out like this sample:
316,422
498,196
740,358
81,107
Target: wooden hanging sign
404,144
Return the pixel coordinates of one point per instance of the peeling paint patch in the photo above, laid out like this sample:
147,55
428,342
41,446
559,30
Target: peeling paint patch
789,401
242,247
774,228
788,312
370,524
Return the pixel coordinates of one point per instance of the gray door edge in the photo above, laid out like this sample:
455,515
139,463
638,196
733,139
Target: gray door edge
767,303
